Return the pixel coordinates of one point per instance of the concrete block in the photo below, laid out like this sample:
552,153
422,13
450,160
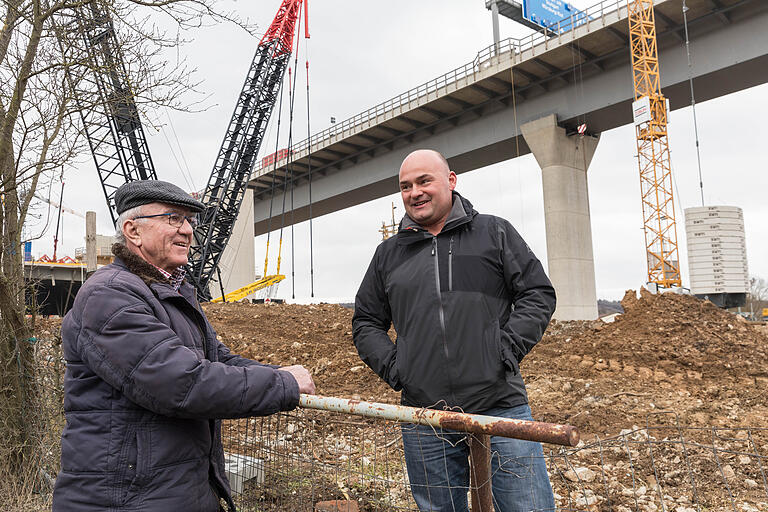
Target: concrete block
242,468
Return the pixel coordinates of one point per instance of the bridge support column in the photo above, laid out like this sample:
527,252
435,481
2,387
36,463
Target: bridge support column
564,162
238,261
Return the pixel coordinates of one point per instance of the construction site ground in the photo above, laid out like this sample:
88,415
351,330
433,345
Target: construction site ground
670,365
666,352
671,399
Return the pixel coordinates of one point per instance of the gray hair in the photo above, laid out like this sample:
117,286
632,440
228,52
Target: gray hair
126,215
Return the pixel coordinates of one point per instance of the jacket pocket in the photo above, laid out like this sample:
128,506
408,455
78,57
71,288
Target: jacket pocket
400,368
133,466
507,355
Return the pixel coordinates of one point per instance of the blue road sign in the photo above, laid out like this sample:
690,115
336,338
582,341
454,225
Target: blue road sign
547,13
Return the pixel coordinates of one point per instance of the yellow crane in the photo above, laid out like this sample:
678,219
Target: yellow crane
264,283
650,116
241,293
389,230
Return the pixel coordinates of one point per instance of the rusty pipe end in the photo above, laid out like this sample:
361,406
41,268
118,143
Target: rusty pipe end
573,435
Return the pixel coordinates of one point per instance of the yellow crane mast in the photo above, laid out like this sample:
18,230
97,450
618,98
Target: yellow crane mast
650,113
389,230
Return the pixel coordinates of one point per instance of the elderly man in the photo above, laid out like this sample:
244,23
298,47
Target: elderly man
147,380
468,300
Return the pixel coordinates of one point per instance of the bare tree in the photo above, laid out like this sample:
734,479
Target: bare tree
41,132
757,297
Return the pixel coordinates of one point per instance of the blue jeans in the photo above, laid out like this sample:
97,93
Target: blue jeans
438,468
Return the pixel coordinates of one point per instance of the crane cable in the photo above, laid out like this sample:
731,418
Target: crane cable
309,173
292,96
289,166
693,99
516,159
273,186
289,155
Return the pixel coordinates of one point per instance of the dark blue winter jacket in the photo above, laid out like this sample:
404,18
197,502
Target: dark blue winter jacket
146,384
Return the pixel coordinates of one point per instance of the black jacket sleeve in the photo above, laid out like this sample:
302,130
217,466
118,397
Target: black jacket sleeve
370,324
532,294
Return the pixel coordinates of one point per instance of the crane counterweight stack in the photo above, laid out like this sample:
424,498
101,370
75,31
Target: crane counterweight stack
650,116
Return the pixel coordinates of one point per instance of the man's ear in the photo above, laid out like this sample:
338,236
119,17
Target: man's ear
452,179
131,232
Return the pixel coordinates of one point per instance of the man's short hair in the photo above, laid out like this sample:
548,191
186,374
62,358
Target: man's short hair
126,215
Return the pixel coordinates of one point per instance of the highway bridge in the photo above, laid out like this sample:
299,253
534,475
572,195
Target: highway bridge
523,95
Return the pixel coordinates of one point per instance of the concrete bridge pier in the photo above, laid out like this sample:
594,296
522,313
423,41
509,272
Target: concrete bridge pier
564,161
238,261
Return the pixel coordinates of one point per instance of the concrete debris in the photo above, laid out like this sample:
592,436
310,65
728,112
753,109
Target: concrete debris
580,475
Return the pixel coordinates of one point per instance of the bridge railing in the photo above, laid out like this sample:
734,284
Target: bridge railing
431,89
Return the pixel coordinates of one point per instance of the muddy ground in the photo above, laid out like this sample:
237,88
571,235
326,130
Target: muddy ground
666,352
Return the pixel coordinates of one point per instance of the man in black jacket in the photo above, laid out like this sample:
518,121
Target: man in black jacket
468,300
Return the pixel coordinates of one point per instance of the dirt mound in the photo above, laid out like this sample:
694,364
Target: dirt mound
666,352
317,336
673,333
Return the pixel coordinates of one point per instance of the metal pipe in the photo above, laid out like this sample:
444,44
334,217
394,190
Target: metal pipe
552,433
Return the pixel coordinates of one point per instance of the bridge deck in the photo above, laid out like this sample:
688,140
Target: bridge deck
519,71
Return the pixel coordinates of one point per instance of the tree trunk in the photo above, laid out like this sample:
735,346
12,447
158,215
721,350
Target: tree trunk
19,411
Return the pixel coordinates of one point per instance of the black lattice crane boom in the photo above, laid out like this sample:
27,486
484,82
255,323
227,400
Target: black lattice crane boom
234,163
104,97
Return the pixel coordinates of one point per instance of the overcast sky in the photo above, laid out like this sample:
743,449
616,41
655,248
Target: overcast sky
362,53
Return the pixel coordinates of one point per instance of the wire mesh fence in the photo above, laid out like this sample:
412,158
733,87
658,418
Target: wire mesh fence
311,460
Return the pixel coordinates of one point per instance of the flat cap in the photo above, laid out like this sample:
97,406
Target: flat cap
140,192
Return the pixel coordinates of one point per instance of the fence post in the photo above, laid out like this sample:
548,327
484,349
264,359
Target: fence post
480,473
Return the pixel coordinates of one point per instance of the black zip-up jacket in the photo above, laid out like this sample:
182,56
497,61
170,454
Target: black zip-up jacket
467,305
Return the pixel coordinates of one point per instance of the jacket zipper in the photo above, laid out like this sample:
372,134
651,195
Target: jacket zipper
450,265
441,312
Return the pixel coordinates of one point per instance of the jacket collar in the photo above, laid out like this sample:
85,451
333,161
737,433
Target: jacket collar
152,277
461,213
136,265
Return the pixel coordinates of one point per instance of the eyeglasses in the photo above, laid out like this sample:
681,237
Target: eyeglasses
174,219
